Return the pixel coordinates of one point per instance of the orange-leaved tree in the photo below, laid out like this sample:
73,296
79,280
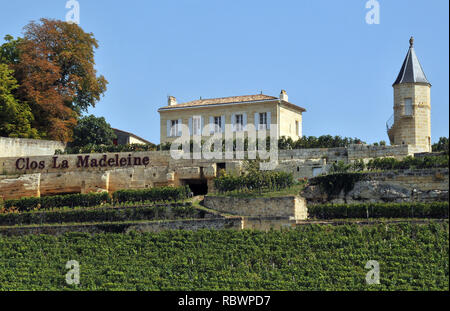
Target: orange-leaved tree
57,76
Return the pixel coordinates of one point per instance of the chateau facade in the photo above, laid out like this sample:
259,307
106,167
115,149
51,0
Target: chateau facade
205,117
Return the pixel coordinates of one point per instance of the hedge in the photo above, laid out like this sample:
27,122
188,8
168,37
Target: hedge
408,163
91,148
284,143
260,181
70,200
380,210
162,194
157,212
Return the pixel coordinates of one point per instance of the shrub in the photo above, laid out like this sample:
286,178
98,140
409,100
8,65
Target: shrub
333,184
408,163
256,180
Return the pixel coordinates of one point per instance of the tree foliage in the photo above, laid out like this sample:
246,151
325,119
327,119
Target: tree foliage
92,130
9,51
324,141
54,67
15,116
441,145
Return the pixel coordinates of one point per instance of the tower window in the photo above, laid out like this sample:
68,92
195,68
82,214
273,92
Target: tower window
408,107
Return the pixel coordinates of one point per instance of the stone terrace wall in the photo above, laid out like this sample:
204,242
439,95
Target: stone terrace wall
18,147
293,207
34,175
163,158
356,152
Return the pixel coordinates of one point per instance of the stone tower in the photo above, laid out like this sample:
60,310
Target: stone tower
411,122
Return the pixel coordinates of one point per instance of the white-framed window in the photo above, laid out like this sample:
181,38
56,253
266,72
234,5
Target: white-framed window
197,125
239,122
217,124
408,107
262,121
173,128
297,128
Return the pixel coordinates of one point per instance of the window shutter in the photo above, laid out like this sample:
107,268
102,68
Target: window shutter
233,122
256,121
244,122
223,124
269,120
202,125
168,128
190,127
300,129
179,128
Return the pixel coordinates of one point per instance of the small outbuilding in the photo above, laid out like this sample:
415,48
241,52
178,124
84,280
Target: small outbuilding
126,138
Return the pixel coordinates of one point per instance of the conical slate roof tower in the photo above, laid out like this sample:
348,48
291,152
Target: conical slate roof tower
411,123
412,71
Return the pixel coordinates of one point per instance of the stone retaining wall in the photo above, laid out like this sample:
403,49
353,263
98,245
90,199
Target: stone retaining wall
18,147
292,207
34,175
267,223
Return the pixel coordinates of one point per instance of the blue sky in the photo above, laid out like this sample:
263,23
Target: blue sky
322,52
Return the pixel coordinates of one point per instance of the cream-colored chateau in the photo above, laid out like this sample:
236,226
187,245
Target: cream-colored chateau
205,117
411,122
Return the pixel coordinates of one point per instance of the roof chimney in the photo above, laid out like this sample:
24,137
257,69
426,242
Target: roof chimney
172,101
284,96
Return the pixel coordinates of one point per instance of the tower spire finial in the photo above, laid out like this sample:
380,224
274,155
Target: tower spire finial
411,42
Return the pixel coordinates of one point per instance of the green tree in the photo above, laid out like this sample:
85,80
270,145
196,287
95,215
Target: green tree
9,51
94,131
441,145
15,116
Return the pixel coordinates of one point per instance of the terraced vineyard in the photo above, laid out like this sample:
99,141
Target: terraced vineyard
312,257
